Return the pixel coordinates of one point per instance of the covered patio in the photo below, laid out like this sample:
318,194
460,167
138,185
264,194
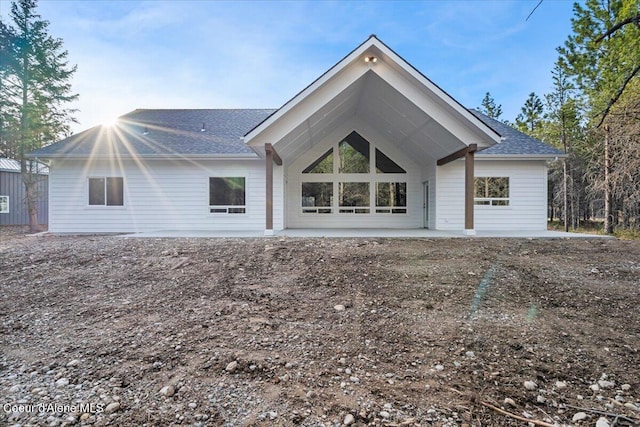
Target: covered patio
391,104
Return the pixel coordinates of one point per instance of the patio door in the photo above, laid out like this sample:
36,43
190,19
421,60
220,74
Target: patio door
425,206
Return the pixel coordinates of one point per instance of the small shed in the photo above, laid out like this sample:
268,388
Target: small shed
13,206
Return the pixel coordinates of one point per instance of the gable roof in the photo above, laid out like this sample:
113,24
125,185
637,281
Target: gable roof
395,95
164,133
375,48
513,142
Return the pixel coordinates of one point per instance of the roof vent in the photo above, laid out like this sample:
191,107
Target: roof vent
203,128
145,131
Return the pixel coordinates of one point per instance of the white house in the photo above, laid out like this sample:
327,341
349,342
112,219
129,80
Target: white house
372,143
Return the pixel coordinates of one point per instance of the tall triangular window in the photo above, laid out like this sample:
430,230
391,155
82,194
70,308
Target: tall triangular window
385,165
354,154
324,164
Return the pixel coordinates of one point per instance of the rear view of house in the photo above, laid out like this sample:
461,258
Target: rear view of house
372,143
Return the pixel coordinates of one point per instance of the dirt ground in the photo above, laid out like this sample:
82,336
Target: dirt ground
318,332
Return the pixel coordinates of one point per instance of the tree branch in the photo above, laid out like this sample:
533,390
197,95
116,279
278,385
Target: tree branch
633,19
617,96
517,417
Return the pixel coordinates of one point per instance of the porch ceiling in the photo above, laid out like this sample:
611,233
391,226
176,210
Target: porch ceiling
373,101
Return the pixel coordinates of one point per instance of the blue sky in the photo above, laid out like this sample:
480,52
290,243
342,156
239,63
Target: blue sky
258,54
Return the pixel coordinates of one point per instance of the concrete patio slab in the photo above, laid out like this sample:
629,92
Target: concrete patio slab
366,233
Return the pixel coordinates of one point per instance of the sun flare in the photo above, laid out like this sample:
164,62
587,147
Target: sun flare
110,121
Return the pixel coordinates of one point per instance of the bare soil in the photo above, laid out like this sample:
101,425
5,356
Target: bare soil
411,332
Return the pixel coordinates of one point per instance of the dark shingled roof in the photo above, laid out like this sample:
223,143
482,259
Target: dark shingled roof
163,133
514,142
178,133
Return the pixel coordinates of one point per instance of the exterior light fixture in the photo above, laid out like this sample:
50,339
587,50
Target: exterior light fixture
371,59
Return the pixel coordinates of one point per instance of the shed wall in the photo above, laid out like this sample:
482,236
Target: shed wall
11,185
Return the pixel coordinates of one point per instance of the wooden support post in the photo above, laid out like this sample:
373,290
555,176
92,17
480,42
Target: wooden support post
270,157
469,189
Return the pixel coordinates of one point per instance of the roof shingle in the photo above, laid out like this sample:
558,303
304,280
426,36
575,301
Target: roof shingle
514,142
179,133
163,133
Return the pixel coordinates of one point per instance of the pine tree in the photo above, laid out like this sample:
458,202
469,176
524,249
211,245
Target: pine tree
489,107
562,129
603,57
530,120
34,88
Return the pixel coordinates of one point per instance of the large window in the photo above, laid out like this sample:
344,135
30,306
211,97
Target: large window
492,191
391,197
227,195
354,197
107,191
360,175
317,197
4,204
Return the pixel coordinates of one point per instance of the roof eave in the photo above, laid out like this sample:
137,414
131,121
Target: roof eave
481,156
170,156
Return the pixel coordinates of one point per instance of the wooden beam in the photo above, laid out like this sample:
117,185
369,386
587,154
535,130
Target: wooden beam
269,200
469,188
454,156
457,155
276,158
270,157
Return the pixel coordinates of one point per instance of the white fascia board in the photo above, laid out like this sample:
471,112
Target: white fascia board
324,78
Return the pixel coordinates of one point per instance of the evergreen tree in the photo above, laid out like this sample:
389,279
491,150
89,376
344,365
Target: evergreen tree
603,57
34,89
530,120
490,108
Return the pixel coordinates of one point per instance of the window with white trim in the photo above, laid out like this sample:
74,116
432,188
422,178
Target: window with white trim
106,191
227,195
363,179
354,197
491,191
317,197
4,204
391,197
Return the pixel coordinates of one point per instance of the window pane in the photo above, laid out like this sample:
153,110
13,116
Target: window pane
115,192
317,194
392,194
4,204
354,154
492,187
499,187
480,187
354,193
226,191
386,165
96,191
324,164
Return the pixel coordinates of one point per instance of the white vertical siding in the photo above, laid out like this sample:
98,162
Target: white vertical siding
158,195
527,194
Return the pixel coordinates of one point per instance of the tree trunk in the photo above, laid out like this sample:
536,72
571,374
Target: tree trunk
31,194
566,196
608,194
